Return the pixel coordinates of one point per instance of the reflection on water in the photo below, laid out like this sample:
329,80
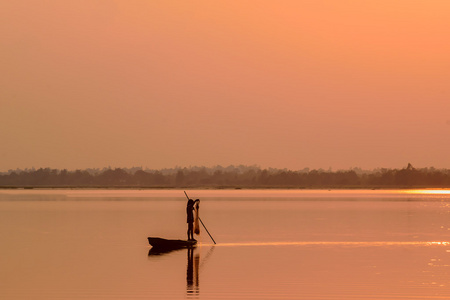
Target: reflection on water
192,269
192,280
326,243
322,245
314,270
162,251
194,264
429,192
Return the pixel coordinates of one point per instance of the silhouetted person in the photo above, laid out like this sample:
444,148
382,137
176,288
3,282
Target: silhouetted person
190,218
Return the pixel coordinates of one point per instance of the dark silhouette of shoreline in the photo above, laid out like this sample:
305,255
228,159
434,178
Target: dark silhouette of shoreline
227,178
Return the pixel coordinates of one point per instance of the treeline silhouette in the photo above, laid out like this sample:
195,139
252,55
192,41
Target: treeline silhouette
229,177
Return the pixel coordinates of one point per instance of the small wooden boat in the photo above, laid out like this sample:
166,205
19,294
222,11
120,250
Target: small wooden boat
161,243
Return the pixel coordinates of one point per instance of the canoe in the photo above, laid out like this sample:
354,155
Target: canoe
161,243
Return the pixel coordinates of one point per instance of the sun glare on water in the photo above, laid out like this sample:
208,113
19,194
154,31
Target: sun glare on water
429,192
337,243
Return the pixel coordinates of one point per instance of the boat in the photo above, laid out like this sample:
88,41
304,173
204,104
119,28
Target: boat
160,243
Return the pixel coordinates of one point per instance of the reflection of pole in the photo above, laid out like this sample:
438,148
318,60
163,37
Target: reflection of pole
205,259
202,223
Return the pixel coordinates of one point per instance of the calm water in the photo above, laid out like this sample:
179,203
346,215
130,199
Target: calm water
92,244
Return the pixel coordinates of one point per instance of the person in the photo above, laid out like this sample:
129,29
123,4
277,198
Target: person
190,218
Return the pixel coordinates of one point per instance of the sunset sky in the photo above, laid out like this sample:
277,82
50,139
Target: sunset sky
282,84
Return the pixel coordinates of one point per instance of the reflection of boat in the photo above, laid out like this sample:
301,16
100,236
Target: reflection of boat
162,251
193,260
164,244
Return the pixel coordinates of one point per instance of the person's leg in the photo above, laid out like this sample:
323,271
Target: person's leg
190,231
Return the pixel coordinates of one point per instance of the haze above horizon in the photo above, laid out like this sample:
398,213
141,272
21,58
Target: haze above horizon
291,84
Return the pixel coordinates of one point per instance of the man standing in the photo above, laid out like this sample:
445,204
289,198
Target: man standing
190,218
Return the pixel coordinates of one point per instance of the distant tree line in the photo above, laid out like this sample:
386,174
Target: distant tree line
229,177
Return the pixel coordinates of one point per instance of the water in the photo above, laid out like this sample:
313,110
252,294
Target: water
271,244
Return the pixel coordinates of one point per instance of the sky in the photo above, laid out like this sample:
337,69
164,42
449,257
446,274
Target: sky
283,84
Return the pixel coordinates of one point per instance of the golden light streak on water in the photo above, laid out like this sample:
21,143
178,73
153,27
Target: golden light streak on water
438,243
429,192
338,243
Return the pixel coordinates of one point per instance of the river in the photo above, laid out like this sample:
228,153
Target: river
271,244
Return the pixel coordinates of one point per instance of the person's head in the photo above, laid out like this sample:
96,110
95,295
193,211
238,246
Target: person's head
190,202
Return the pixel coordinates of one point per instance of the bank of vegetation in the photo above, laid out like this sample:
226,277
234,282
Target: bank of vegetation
226,177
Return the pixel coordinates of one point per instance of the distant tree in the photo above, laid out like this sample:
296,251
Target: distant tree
113,177
231,176
180,178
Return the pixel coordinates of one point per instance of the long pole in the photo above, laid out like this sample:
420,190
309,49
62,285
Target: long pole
202,223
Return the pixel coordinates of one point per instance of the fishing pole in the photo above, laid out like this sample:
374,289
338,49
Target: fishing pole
202,222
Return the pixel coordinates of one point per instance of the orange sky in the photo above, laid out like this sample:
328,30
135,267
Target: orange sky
284,84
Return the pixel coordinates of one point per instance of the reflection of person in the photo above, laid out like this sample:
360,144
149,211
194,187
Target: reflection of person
190,218
190,268
192,282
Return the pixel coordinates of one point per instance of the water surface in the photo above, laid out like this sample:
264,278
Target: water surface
271,244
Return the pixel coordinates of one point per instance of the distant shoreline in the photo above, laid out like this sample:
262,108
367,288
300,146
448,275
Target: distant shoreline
220,178
217,188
